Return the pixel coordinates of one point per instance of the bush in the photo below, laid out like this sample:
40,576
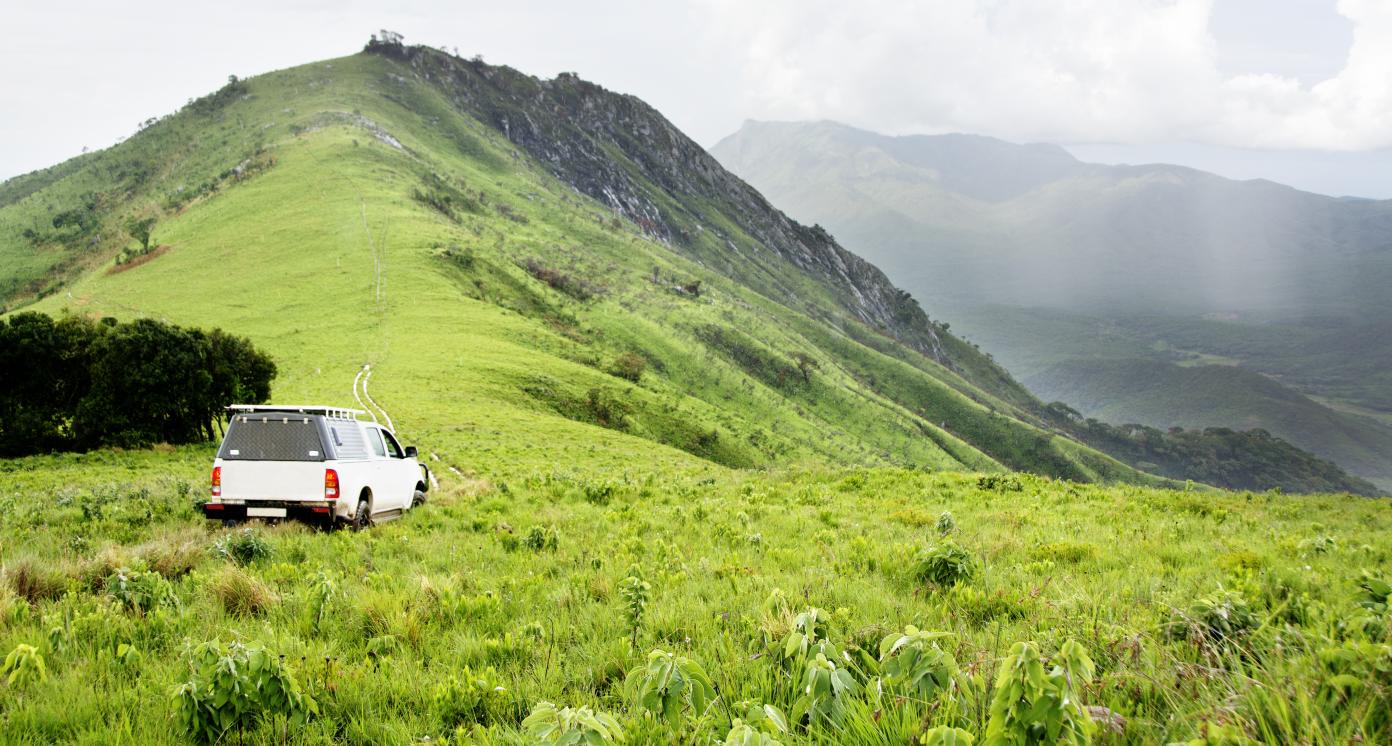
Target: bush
23,664
945,524
1221,619
914,664
999,483
1032,705
628,366
580,726
669,686
243,547
241,594
172,556
471,697
235,685
35,582
944,565
139,591
1374,593
569,285
542,539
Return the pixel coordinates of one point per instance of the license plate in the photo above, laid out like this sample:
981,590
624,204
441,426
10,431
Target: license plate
265,512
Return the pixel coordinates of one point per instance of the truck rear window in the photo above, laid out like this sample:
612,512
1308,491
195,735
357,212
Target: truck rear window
272,437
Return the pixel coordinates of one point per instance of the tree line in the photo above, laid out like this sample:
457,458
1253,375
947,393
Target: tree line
75,384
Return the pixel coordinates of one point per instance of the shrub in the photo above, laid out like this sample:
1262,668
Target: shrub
1033,705
999,483
241,594
634,590
827,691
141,592
914,664
235,685
540,539
807,636
35,582
321,598
943,565
23,665
606,409
243,547
173,557
944,735
560,281
946,524
670,685
1220,619
470,697
1374,593
581,726
628,366
759,725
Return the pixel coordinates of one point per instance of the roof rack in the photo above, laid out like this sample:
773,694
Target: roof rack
337,413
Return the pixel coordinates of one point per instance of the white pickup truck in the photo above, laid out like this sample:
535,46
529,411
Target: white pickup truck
323,464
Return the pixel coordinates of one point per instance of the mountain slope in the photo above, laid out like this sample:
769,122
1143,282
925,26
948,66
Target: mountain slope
1167,395
492,245
1043,259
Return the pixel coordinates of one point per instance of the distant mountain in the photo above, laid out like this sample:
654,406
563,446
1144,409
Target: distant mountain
1045,260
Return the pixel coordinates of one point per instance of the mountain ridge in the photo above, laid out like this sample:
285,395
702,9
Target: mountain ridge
1184,265
419,186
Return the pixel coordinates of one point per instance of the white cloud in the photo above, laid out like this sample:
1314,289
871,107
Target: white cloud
1128,71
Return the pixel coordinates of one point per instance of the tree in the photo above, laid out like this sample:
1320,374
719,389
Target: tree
629,366
149,385
139,229
46,373
806,365
73,383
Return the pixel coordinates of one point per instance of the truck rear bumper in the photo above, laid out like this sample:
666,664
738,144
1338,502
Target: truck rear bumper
305,511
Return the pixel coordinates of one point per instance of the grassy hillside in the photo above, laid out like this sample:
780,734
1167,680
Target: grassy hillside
587,522
1168,395
520,584
356,212
1135,367
1046,260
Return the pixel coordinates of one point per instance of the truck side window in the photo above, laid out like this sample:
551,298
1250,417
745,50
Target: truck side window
374,439
393,448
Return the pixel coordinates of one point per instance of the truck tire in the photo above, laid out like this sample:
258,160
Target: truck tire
362,517
417,499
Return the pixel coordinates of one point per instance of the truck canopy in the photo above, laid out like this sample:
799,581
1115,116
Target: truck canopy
274,436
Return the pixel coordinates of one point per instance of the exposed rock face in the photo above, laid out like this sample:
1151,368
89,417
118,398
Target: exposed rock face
622,152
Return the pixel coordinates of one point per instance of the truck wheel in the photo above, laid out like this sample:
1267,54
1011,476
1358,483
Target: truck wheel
362,517
417,499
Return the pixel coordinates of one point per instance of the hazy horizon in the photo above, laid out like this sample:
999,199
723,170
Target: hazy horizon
1303,98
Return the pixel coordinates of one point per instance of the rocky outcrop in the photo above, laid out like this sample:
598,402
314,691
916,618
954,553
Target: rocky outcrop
620,151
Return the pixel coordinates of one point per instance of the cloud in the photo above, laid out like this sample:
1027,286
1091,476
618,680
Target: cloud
1125,71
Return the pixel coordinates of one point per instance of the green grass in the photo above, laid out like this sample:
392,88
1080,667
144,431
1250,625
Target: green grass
453,588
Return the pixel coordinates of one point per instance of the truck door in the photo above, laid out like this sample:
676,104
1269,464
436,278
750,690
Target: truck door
384,492
404,473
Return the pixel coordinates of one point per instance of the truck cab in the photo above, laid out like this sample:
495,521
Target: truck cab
323,464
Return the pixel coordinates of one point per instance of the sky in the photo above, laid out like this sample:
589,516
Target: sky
1297,91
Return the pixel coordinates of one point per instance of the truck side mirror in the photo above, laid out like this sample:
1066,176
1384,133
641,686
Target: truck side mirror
411,452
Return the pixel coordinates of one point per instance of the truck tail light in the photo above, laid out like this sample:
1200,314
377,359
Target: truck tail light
217,481
330,484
